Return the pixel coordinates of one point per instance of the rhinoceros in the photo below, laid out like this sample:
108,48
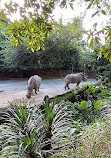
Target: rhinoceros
34,82
98,83
74,78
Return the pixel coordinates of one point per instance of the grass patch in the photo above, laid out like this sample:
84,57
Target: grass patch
94,143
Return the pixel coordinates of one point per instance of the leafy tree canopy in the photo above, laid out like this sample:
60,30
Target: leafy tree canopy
36,21
63,42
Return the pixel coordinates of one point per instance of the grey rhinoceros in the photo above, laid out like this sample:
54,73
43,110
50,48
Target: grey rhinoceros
74,78
34,82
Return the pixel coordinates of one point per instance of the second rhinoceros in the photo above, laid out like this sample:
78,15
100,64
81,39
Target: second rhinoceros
74,78
34,82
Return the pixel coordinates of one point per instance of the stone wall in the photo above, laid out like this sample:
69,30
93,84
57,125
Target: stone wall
43,73
91,74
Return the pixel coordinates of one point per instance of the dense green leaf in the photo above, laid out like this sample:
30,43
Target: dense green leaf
89,103
104,12
98,104
32,49
84,104
95,13
91,42
89,6
93,89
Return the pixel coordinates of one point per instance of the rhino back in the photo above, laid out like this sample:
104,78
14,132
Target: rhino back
34,80
73,78
37,79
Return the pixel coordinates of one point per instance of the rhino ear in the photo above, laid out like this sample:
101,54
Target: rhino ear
31,83
82,73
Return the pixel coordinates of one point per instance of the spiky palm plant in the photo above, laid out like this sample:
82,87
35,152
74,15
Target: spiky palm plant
58,124
22,134
27,132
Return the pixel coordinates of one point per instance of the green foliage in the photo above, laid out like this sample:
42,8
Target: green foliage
95,142
32,26
88,60
105,49
35,131
61,43
5,45
105,71
98,104
84,112
76,129
88,105
84,104
94,34
26,133
49,111
35,31
36,22
20,135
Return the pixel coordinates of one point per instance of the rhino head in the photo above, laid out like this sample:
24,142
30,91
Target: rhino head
30,89
84,77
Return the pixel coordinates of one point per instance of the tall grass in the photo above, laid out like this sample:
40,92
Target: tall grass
94,143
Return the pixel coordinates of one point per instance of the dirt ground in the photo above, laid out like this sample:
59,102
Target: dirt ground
50,87
8,97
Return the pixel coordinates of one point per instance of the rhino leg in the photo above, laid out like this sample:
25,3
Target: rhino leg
78,84
35,90
38,89
67,85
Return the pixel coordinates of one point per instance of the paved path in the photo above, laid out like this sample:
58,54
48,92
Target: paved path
15,91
